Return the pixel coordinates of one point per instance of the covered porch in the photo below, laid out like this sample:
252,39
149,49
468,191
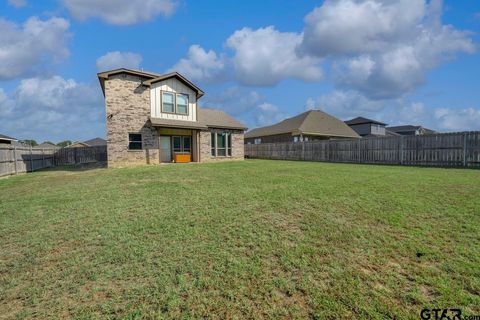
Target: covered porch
178,141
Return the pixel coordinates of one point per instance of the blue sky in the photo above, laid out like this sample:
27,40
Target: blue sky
407,61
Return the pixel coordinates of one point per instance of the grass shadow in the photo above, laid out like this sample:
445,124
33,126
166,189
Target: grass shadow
78,167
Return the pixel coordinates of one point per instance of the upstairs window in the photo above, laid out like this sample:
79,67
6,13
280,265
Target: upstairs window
174,103
168,102
134,141
182,103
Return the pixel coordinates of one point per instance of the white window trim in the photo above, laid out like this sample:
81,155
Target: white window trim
215,147
176,103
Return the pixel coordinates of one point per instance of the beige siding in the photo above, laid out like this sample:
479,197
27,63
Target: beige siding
175,86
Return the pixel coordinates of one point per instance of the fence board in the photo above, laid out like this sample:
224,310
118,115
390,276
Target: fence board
459,149
20,159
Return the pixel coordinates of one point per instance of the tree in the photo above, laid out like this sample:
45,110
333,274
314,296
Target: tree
32,142
49,142
65,143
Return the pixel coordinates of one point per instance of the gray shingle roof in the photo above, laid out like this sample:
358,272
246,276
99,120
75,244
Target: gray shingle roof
152,78
361,120
218,119
46,145
168,123
4,137
313,122
96,142
207,118
403,128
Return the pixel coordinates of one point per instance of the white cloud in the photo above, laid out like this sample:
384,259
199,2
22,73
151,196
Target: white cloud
349,104
458,119
265,56
267,114
28,48
345,104
382,48
117,59
201,65
350,27
246,105
120,12
53,109
18,3
235,100
48,93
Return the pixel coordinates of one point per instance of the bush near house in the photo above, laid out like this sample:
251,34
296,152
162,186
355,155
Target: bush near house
250,239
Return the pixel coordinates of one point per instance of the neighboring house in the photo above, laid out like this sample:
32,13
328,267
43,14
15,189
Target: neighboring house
96,142
46,145
307,126
409,130
367,127
6,139
78,144
154,118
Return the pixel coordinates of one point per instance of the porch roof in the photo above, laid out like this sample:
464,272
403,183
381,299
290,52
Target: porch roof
168,123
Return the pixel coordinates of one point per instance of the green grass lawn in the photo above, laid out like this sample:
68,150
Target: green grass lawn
250,239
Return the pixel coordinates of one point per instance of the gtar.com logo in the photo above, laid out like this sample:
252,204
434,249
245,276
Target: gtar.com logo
441,314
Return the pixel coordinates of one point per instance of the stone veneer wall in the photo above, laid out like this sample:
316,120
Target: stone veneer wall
128,110
238,148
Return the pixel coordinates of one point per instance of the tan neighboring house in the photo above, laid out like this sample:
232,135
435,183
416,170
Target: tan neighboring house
7,140
77,144
95,142
409,130
308,126
153,118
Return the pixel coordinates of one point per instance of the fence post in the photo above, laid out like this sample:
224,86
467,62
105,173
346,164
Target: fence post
15,158
31,159
465,149
75,155
43,158
401,150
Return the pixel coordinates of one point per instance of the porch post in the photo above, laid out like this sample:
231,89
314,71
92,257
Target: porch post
159,147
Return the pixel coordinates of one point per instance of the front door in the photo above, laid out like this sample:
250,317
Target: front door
165,149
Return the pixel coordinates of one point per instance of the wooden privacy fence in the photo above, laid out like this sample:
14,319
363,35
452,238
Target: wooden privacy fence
15,159
461,149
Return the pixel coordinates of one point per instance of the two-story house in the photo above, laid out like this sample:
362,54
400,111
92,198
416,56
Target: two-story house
369,128
153,118
409,130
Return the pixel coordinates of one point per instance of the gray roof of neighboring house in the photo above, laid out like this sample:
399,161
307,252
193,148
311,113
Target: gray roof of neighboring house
362,120
390,133
96,142
313,122
46,145
408,128
4,137
403,128
207,118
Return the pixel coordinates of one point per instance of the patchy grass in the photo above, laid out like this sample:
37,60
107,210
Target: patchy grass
251,239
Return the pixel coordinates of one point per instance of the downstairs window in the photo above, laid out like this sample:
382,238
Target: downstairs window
135,141
221,144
